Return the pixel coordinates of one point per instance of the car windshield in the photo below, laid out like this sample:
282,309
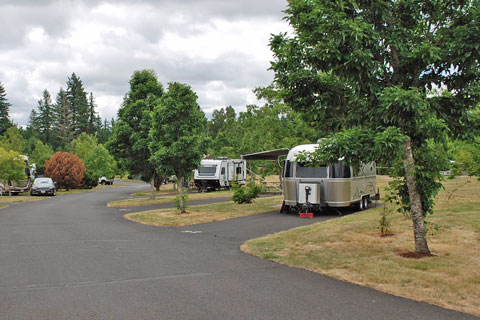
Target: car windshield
43,182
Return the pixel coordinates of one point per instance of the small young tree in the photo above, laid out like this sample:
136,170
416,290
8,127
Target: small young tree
12,167
178,134
66,169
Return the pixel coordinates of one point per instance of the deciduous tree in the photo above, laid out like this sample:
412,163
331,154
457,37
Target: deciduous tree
178,134
130,137
66,169
393,76
12,167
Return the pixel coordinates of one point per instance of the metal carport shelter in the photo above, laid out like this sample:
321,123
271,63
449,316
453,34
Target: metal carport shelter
266,155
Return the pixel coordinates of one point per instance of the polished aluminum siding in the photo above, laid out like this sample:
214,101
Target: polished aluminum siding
333,192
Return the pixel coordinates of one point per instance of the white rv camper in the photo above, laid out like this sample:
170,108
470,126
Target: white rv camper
307,189
213,174
16,187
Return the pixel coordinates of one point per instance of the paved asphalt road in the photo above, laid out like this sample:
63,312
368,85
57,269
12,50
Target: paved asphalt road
71,257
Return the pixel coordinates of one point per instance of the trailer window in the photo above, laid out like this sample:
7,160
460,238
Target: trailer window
310,172
239,170
288,173
207,170
340,170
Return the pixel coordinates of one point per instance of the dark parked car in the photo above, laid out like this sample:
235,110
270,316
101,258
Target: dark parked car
43,186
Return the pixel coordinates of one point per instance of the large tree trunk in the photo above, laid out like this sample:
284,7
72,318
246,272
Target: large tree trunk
180,194
152,185
419,232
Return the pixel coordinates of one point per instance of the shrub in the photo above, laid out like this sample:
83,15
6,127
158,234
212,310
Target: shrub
185,200
66,169
242,194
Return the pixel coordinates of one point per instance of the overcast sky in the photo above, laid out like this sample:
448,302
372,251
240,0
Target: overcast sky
219,47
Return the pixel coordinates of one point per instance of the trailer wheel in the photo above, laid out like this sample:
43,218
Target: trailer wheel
361,205
365,202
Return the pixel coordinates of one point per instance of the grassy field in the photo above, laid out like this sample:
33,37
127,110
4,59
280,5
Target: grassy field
204,213
351,248
164,189
19,199
135,202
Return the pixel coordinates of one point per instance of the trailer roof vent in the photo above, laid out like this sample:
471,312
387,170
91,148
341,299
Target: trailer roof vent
223,158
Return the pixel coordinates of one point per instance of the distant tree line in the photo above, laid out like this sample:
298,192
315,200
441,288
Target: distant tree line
70,123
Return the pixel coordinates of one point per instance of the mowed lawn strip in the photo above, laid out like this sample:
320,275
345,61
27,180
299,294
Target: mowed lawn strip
350,248
205,213
19,199
145,201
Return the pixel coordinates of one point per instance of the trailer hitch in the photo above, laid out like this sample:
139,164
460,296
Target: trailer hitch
306,212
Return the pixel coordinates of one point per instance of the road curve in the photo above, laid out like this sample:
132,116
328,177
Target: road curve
72,257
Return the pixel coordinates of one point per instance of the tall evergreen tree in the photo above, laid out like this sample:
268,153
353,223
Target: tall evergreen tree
63,128
5,122
78,103
94,120
33,126
45,118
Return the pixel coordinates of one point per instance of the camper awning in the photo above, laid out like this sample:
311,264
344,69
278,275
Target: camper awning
266,155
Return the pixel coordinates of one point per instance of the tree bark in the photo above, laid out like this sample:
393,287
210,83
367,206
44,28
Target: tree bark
180,194
419,232
152,185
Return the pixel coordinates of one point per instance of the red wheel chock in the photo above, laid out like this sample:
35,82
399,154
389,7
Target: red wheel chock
306,214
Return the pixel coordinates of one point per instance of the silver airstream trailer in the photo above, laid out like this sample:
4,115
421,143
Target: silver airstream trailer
307,189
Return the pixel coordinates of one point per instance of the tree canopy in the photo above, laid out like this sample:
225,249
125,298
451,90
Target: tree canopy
130,137
394,77
178,134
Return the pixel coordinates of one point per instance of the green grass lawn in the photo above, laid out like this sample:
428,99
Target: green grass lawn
351,248
204,213
19,199
145,201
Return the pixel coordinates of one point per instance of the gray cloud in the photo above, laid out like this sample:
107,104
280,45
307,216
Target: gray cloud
217,47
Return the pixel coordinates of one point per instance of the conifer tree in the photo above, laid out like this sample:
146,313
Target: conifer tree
63,126
45,118
78,103
5,122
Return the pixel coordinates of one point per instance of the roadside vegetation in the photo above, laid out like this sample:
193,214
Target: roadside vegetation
20,199
144,201
351,248
204,213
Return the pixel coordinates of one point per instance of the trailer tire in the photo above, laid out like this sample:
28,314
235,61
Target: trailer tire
361,205
365,202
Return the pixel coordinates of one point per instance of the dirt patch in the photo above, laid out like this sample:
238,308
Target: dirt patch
415,255
385,235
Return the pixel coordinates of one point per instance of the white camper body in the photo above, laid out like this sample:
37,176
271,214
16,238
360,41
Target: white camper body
307,189
213,174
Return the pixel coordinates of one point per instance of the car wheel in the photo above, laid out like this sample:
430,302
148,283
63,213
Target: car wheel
103,182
